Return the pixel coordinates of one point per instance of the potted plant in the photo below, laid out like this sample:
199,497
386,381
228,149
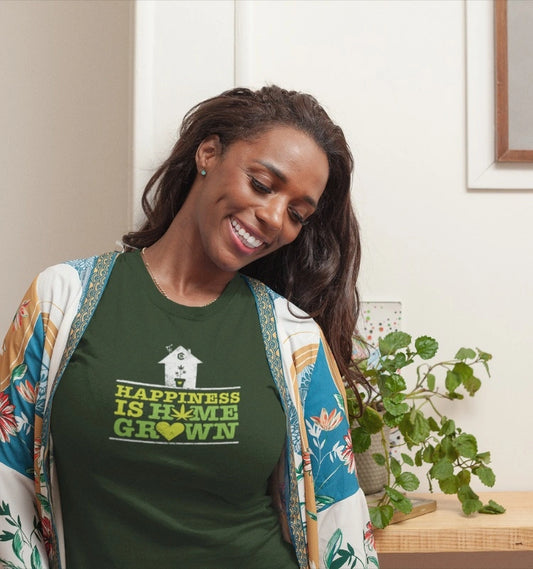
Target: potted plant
429,438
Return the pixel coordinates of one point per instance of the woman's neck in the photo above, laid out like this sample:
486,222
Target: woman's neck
180,272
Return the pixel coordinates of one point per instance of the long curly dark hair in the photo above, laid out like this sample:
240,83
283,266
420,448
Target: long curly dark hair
318,271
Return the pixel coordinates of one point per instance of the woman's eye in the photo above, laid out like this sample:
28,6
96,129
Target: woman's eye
298,217
259,187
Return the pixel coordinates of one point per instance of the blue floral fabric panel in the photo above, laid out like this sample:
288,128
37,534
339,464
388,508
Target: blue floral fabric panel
330,445
17,406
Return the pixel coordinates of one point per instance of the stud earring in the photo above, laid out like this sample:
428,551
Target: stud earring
203,172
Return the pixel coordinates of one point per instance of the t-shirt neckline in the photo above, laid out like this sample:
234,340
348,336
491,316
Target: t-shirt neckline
155,295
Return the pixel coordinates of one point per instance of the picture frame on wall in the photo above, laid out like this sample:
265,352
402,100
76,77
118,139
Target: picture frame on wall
513,22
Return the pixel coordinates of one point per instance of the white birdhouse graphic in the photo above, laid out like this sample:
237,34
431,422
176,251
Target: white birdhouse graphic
180,368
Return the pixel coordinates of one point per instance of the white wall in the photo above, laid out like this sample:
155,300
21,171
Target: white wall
184,53
65,120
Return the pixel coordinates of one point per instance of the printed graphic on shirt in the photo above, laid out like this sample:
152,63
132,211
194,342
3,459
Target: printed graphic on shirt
178,412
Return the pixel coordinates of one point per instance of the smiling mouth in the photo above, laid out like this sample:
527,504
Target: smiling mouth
246,239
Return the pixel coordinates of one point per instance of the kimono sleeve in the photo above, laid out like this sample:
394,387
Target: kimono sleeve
22,362
345,538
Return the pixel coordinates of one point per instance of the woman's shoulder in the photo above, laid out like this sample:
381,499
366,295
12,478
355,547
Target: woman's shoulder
74,274
288,316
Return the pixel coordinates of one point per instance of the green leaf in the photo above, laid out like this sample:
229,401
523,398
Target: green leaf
4,509
323,501
351,550
332,547
484,457
433,425
486,366
342,559
485,474
395,382
470,501
427,454
395,467
438,453
466,445
381,516
466,493
393,342
463,478
407,459
418,457
408,481
448,427
442,469
415,426
400,360
465,354
456,395
36,559
484,356
426,347
360,440
452,381
471,506
8,564
492,508
391,420
379,459
472,385
395,408
398,500
18,372
449,485
6,536
463,371
371,420
45,504
339,400
17,545
448,448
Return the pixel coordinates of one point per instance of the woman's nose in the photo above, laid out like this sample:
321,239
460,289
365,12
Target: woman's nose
271,213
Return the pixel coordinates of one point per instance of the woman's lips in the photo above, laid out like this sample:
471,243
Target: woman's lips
244,237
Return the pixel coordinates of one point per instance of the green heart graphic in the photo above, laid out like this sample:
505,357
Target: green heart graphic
170,431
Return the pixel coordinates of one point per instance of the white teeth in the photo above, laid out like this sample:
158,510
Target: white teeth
244,236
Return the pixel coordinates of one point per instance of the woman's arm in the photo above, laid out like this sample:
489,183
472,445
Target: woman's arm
22,362
344,532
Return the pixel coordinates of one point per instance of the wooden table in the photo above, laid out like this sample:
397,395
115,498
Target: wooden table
446,538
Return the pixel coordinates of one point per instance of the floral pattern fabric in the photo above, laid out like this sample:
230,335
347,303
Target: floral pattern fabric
325,512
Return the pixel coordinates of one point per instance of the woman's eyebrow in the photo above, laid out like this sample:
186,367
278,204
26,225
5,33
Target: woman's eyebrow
279,174
275,170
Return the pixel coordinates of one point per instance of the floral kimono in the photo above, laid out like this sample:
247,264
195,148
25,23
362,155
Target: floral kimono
324,512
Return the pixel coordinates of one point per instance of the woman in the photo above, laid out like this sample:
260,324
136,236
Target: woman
200,418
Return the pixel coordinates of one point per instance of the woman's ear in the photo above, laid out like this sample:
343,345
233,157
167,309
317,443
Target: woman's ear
208,152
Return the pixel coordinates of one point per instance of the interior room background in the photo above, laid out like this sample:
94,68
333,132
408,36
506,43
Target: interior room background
92,95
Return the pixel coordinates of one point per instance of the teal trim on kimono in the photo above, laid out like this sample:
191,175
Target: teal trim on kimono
94,287
93,291
267,321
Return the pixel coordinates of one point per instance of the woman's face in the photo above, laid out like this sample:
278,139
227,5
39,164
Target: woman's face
256,196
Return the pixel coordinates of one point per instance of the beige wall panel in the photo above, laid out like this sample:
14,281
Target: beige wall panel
65,119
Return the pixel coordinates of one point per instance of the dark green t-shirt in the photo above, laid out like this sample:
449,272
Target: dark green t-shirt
166,426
